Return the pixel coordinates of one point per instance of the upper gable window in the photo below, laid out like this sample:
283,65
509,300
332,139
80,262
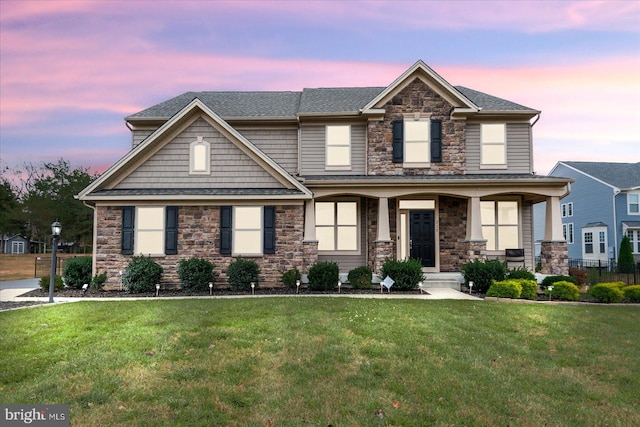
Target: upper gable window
493,139
633,203
338,147
417,141
199,157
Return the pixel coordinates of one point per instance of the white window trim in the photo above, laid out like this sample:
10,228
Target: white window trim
358,227
596,254
567,230
637,194
484,165
192,157
234,233
416,117
634,237
497,225
137,230
346,167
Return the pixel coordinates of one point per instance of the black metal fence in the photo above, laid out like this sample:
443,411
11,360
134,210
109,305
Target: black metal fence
598,271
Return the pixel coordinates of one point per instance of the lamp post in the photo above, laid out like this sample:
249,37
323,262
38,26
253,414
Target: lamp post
56,229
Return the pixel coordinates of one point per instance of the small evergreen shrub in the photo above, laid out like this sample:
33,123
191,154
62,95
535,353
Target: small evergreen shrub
626,263
406,274
566,291
360,277
323,276
632,293
550,280
241,273
290,277
609,292
483,273
97,282
195,274
77,272
141,275
505,289
520,273
529,289
45,282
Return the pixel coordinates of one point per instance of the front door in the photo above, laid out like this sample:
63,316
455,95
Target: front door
421,236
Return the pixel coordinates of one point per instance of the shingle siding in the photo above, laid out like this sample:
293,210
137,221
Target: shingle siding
279,144
518,149
313,150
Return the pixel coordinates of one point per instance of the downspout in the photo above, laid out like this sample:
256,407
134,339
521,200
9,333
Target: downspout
615,223
533,172
94,244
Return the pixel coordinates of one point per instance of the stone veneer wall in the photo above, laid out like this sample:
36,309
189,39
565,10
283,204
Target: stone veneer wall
416,97
554,258
374,250
199,236
452,221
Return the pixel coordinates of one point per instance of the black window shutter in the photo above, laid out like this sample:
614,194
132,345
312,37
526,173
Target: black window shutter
225,230
128,221
171,231
269,246
398,141
436,140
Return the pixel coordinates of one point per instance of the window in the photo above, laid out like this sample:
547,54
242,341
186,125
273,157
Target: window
337,226
588,242
634,238
567,231
602,240
500,224
338,140
417,141
633,203
567,209
149,230
493,143
199,157
247,230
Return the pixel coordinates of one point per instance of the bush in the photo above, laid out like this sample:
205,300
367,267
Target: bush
241,273
195,274
290,277
632,293
529,289
45,282
141,275
77,272
360,277
97,282
607,292
483,273
520,273
550,280
564,290
323,276
625,259
406,274
505,289
580,274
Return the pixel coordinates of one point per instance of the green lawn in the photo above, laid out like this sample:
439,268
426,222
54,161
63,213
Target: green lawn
316,361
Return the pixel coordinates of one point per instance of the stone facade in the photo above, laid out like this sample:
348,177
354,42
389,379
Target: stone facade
554,258
199,236
416,97
452,226
373,250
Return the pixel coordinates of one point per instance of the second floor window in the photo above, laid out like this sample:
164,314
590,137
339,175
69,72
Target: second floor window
338,147
633,203
567,209
199,157
493,139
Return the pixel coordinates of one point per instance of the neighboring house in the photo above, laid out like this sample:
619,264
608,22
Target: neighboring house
15,244
355,175
604,206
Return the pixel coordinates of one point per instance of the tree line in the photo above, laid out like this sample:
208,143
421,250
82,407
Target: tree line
34,195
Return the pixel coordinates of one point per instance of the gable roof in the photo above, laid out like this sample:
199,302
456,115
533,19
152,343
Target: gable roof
97,189
624,176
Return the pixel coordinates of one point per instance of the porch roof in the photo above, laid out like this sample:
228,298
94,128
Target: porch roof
196,194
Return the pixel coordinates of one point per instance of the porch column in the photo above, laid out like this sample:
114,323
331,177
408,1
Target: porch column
383,244
552,222
475,245
310,242
553,255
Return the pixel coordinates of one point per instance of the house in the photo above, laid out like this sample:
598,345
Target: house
355,175
15,244
604,206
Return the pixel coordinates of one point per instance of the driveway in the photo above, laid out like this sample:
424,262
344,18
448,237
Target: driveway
12,288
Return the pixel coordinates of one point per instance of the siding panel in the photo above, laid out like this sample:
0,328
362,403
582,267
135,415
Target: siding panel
518,149
313,151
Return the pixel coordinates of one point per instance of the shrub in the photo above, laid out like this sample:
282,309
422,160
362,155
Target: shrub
625,259
241,273
141,275
45,282
520,273
97,282
195,274
406,274
483,273
323,276
360,277
529,289
632,293
564,290
290,277
550,280
77,272
505,289
607,292
580,275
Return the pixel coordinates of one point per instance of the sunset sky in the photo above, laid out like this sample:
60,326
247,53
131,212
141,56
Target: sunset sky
70,71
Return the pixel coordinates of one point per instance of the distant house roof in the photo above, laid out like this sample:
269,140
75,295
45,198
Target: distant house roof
621,175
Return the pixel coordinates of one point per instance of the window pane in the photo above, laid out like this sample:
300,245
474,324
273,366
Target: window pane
507,213
338,135
347,239
247,242
150,242
493,155
493,133
487,213
416,152
150,218
200,157
489,233
347,213
416,131
326,238
508,237
248,217
324,213
417,204
338,156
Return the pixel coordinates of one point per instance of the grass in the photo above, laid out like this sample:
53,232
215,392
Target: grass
316,361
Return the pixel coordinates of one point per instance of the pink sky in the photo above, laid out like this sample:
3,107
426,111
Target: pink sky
71,71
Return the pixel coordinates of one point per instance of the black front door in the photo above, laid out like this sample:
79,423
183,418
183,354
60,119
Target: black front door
421,234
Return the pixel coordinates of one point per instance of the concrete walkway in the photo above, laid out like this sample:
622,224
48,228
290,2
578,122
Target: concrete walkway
10,289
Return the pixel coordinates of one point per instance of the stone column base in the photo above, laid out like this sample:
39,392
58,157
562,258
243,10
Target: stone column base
309,254
554,258
474,249
383,250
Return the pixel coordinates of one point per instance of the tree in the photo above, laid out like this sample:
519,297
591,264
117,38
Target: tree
625,259
9,209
